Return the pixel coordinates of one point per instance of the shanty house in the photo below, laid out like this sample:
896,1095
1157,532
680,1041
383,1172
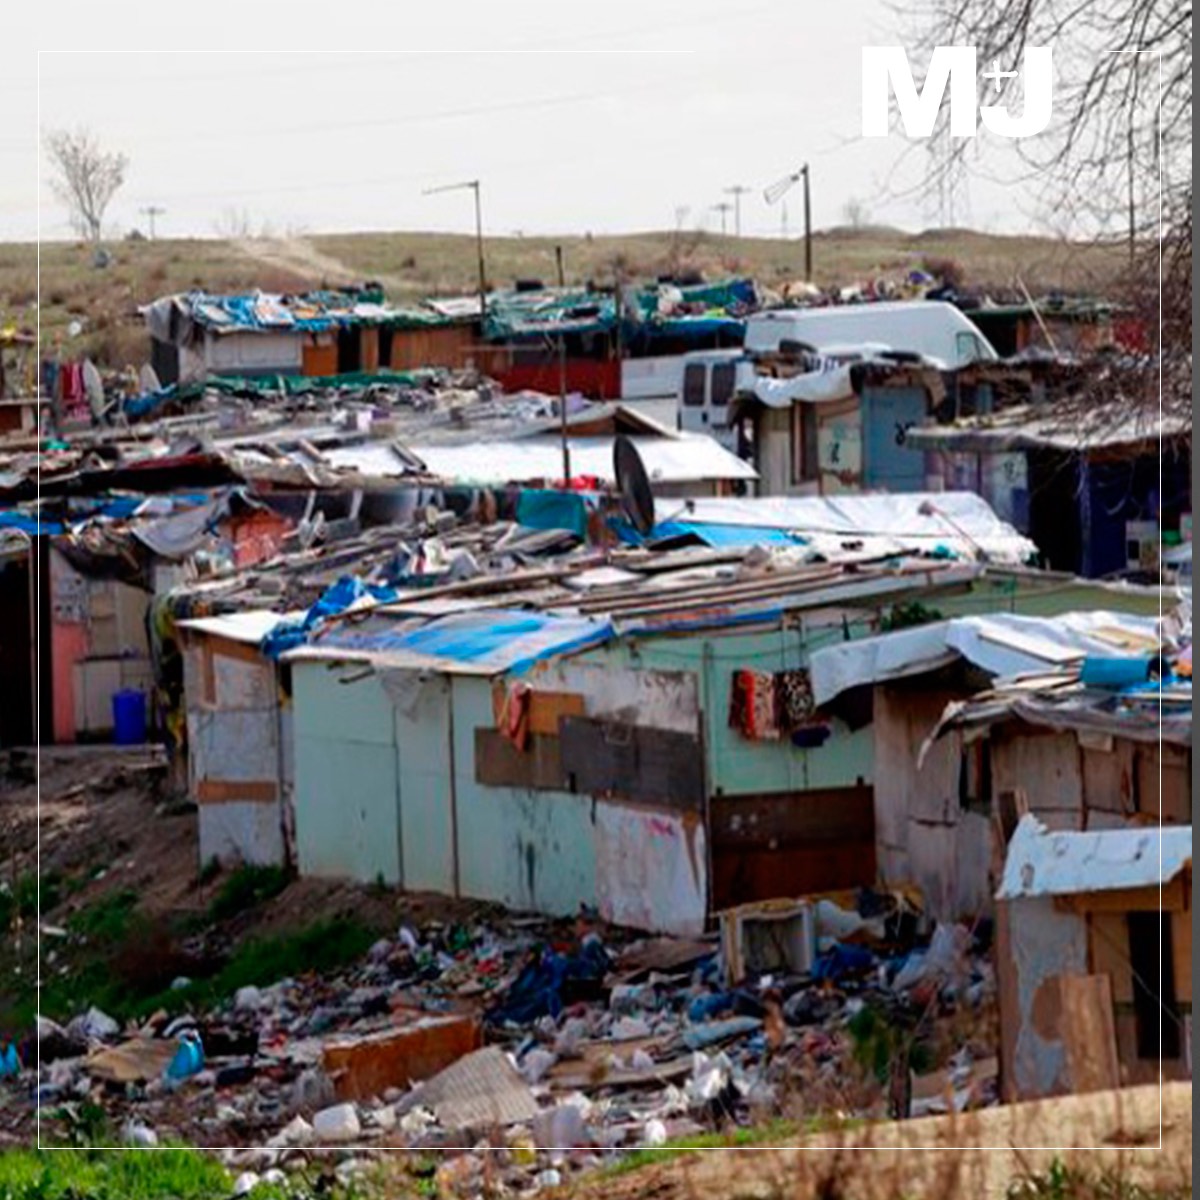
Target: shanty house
978,719
239,739
1104,485
602,735
197,336
1094,959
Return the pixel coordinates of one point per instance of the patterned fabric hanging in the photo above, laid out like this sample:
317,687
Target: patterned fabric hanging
752,705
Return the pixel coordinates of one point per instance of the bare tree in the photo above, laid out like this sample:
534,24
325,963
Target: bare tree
86,177
234,224
1117,158
855,213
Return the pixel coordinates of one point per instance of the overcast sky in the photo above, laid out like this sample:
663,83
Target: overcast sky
602,118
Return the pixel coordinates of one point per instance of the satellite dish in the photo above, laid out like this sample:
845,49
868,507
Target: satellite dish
93,386
633,485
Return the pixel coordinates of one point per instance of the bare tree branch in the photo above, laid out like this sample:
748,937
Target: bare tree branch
86,177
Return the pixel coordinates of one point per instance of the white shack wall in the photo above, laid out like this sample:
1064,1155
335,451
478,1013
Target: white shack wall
235,723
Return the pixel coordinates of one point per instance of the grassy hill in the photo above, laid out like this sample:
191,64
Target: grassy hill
411,265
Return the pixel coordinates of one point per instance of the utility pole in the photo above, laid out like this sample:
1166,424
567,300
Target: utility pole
737,191
777,191
807,228
722,208
562,381
152,211
473,184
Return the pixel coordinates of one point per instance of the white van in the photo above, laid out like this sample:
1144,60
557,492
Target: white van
708,381
932,328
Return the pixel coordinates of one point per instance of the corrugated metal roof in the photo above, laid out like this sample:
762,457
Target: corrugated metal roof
1045,863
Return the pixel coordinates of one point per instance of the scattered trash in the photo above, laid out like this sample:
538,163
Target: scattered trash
337,1124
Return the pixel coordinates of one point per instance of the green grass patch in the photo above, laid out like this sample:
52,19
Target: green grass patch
177,1172
107,921
323,948
21,899
246,887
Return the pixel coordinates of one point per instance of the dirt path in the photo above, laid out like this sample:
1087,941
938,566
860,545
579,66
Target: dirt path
303,258
974,1154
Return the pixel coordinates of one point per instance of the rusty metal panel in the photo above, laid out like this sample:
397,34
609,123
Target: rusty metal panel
498,762
634,762
771,846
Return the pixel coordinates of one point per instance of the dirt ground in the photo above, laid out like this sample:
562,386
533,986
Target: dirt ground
109,825
974,1154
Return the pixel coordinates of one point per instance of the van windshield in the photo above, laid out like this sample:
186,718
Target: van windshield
722,383
693,385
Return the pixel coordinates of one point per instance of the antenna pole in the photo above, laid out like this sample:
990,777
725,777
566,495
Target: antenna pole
807,228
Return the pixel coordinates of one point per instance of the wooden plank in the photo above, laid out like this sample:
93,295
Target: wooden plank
1108,780
1108,953
1181,951
1123,900
634,762
545,708
498,763
236,791
743,876
1172,795
792,818
1089,1034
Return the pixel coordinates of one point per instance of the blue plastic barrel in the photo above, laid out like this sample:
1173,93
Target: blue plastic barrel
129,717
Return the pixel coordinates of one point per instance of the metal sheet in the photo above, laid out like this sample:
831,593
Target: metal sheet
651,869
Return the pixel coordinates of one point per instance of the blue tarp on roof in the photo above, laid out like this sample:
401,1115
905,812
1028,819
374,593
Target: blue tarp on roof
494,641
720,536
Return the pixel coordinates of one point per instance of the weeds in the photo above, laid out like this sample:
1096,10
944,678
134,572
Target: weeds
1063,1182
247,887
78,1174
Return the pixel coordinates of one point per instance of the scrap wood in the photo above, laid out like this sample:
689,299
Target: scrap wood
663,954
481,1089
619,1077
134,1061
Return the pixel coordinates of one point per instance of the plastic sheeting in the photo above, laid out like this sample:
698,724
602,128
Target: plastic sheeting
1045,863
681,459
948,523
1003,645
485,643
813,387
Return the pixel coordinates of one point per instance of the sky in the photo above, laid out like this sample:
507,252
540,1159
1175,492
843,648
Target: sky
311,118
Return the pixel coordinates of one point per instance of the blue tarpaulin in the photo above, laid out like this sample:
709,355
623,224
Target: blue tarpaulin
494,641
538,509
287,635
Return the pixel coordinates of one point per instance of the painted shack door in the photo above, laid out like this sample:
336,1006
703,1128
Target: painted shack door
346,789
889,463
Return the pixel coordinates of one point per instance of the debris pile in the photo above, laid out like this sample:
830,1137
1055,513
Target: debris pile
556,1046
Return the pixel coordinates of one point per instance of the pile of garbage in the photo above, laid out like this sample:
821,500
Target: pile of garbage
557,1047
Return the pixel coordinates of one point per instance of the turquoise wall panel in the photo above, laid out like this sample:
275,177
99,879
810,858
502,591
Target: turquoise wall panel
530,850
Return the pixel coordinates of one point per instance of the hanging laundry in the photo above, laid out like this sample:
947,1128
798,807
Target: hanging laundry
753,707
794,699
513,721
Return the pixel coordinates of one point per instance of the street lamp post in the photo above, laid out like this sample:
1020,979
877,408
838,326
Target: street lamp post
473,184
